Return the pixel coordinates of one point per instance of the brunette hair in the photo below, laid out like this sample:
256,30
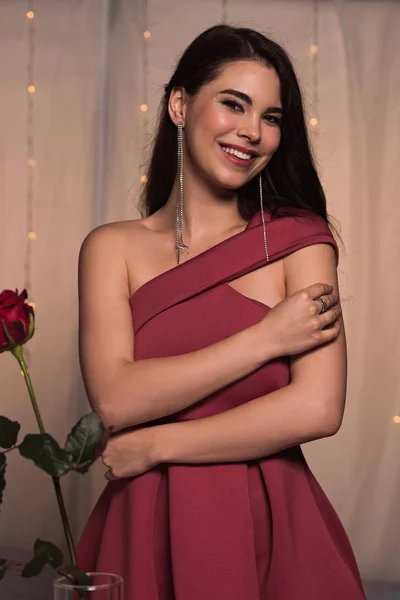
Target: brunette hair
290,180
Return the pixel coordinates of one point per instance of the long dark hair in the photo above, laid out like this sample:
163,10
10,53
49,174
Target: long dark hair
290,180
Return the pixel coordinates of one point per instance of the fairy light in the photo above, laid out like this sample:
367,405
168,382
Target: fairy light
314,52
396,419
30,147
144,107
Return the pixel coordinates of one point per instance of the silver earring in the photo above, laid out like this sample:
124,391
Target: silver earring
263,220
180,246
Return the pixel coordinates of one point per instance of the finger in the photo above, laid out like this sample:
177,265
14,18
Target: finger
331,316
104,461
332,299
109,475
319,289
329,299
330,333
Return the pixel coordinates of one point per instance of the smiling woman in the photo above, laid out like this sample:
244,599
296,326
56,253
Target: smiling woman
227,349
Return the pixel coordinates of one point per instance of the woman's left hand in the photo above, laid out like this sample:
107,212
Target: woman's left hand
130,454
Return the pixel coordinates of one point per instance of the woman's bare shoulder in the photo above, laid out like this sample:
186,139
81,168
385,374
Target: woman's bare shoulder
104,251
114,236
122,252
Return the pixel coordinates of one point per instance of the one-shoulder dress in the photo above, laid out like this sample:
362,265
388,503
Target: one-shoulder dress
254,530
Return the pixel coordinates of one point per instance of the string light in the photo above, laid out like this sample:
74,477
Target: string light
396,419
31,162
145,77
314,67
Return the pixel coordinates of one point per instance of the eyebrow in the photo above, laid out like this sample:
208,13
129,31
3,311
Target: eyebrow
248,100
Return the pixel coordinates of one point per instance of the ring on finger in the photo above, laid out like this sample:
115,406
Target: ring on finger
323,304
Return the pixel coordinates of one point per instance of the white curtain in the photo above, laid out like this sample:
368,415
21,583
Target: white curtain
91,77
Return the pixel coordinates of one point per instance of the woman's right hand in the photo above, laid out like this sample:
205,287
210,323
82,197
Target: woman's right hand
296,324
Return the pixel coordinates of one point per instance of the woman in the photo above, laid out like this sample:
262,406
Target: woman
236,355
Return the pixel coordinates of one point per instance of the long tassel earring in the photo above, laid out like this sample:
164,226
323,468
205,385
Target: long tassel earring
263,219
180,246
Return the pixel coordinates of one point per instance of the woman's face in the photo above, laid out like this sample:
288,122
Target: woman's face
241,111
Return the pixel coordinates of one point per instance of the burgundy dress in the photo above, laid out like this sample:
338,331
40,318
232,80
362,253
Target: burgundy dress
257,530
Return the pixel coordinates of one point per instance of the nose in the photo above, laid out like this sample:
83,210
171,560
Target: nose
250,129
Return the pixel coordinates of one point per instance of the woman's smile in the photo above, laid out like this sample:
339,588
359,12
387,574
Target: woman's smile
237,157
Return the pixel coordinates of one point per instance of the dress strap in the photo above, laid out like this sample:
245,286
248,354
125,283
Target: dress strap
228,260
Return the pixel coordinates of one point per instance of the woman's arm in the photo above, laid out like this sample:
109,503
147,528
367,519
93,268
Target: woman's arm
310,407
125,392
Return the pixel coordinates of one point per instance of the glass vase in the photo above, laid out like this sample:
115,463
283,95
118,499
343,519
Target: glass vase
103,586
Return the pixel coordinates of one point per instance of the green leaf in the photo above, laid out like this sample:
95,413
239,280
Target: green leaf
8,432
83,441
45,553
35,566
3,567
83,468
77,576
53,553
46,454
3,463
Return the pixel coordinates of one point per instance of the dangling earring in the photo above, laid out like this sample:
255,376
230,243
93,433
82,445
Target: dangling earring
263,219
180,246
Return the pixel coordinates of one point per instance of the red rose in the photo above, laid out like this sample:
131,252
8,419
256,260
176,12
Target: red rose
17,319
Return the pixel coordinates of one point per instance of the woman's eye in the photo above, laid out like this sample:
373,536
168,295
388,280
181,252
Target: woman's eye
236,106
233,104
273,120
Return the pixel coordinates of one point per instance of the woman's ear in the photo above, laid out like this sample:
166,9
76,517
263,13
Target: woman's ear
177,105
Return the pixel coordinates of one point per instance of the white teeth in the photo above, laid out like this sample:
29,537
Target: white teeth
236,153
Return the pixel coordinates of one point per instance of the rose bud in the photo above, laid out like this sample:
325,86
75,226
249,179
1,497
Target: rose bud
17,319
